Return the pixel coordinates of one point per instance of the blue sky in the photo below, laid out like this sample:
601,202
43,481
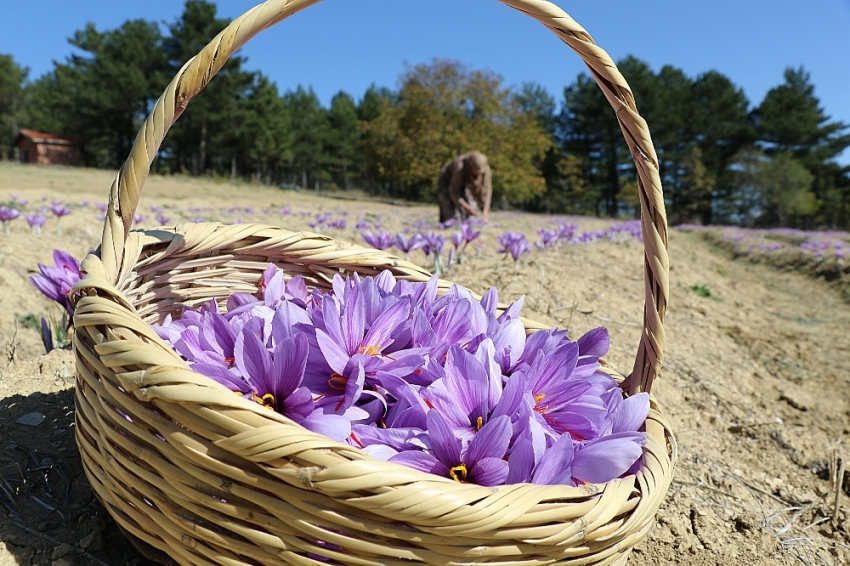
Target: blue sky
349,44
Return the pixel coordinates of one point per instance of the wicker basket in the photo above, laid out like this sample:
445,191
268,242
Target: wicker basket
192,472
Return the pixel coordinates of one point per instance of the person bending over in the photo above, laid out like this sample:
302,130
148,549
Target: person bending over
465,187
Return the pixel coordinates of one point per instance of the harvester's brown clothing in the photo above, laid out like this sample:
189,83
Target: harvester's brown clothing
465,181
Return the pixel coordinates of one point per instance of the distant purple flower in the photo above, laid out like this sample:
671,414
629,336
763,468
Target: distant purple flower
380,241
84,203
566,232
59,211
138,218
457,239
407,245
162,220
55,281
36,221
434,244
7,215
469,234
513,243
548,238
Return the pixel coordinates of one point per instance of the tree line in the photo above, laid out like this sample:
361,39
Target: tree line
722,159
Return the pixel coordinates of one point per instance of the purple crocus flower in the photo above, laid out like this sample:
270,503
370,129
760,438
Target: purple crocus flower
407,245
380,241
513,243
482,461
59,211
35,221
471,393
434,244
7,215
566,232
56,281
276,379
548,238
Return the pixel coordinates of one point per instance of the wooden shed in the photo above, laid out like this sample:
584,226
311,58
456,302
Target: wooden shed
47,149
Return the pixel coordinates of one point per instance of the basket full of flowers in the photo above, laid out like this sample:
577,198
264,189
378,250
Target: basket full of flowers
251,395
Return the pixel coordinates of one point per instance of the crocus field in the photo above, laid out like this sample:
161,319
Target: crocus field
755,382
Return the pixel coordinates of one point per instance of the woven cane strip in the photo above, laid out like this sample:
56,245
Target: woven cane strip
208,478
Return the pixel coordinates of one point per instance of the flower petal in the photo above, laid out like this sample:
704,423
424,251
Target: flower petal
253,361
631,413
445,445
421,461
521,462
287,371
556,463
489,472
594,342
221,375
335,427
490,442
608,457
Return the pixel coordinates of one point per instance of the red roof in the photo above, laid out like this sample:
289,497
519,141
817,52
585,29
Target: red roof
43,137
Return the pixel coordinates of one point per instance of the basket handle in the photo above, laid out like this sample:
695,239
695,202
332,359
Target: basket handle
196,73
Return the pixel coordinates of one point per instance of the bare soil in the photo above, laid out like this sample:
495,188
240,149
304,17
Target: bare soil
756,379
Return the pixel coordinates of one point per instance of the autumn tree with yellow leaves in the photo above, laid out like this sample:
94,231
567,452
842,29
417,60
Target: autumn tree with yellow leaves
445,109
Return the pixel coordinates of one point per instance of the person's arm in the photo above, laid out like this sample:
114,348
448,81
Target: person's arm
456,193
487,196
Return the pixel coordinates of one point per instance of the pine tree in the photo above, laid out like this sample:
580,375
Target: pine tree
791,119
103,94
343,138
208,133
13,79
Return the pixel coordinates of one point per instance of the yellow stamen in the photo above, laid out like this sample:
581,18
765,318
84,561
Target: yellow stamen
479,423
337,382
458,471
268,401
369,350
538,398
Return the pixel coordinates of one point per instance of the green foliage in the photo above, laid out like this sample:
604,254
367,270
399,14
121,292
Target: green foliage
786,187
102,94
701,289
12,80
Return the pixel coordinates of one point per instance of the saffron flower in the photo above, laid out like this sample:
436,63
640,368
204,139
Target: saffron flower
513,243
56,281
7,215
59,211
380,241
35,221
407,245
481,462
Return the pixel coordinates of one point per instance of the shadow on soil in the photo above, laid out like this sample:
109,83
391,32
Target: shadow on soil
50,515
